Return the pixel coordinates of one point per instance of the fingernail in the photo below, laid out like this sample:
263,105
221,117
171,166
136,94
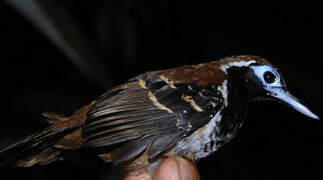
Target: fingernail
176,169
184,169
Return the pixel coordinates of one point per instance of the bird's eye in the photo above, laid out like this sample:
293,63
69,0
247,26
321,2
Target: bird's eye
269,77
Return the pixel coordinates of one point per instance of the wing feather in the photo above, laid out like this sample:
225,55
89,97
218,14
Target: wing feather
126,115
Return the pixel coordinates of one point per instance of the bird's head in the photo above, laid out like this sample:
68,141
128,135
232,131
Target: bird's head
260,80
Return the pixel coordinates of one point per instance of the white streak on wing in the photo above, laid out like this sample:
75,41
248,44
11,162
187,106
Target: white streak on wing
224,67
224,91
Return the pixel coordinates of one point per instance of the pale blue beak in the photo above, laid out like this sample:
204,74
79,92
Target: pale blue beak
291,101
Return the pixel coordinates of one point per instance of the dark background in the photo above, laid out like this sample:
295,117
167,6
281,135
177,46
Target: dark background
132,37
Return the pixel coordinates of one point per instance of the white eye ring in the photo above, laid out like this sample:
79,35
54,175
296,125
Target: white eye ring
261,70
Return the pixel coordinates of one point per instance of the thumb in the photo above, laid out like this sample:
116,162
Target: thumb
176,168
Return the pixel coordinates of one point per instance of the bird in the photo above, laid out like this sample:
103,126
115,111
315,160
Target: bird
189,111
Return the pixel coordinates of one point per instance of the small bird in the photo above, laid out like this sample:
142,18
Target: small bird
189,111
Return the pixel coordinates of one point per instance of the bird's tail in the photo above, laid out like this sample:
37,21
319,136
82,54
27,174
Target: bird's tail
47,145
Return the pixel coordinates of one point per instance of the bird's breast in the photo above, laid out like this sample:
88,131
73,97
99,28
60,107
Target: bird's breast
200,143
205,140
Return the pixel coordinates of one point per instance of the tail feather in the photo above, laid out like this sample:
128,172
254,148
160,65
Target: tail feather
46,146
33,149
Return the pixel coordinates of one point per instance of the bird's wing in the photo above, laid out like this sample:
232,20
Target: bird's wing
149,113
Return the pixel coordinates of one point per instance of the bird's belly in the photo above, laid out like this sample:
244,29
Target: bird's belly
204,141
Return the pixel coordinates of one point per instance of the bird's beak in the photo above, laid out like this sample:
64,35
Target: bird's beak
290,100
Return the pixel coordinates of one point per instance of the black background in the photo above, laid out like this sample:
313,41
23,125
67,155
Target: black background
275,142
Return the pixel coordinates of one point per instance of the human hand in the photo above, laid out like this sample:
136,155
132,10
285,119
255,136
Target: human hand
174,168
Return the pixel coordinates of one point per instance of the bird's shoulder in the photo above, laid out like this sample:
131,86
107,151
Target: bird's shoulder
202,75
